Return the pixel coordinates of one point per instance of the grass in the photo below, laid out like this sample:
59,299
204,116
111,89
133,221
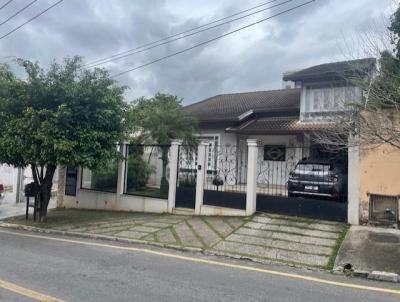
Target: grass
345,228
149,192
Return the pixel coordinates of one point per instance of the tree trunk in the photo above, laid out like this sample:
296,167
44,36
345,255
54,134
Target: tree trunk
43,182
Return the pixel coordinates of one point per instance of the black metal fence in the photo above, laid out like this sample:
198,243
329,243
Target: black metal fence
147,170
301,171
226,168
225,184
186,178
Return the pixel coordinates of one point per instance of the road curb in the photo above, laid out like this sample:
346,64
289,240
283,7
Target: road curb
371,275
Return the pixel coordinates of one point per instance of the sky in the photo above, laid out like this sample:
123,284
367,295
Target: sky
250,60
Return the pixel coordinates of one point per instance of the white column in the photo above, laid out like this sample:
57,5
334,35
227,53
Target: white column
121,172
201,175
173,173
353,195
251,193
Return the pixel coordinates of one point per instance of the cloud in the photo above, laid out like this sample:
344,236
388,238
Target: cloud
253,59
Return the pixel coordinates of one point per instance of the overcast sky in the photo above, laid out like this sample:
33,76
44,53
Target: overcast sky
251,60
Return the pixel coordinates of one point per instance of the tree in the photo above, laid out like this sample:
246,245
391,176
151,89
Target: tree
160,120
64,115
375,120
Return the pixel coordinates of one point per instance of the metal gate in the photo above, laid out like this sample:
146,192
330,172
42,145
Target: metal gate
186,178
305,182
225,184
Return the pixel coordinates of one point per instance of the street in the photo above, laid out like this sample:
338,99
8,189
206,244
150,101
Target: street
70,269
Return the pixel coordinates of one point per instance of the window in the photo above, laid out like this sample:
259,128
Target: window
275,153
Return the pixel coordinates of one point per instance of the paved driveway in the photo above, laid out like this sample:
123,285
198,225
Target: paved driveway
263,237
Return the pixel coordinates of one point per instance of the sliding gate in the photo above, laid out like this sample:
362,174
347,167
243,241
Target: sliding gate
308,193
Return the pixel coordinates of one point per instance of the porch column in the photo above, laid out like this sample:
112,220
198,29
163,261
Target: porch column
251,193
353,194
201,175
173,174
121,172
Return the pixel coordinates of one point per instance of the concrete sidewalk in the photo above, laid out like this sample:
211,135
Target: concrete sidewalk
369,249
262,238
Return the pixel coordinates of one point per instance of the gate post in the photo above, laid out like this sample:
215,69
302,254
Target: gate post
173,174
121,172
200,176
251,193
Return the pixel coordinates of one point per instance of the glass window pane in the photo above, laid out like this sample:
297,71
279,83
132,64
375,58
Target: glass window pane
102,179
147,171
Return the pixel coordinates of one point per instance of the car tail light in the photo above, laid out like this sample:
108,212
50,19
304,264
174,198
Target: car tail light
1,188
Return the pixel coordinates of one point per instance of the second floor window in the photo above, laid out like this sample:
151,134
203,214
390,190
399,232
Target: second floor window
326,98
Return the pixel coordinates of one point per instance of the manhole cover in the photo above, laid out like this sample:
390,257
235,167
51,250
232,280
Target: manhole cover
384,238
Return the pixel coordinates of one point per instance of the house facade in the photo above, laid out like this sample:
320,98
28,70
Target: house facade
250,145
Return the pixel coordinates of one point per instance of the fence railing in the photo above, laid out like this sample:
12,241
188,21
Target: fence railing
147,170
226,168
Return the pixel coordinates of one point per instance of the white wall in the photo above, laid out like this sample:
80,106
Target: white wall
95,200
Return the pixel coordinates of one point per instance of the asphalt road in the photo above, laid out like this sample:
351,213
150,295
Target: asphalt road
103,271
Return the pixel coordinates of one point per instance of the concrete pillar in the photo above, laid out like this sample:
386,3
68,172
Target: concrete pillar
121,172
251,193
353,195
62,174
201,175
173,174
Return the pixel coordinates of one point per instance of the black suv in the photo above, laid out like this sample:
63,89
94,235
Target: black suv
320,178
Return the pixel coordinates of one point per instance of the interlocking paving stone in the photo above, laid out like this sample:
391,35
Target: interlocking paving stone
166,236
170,219
145,229
285,236
272,253
220,226
235,221
204,231
294,230
131,234
109,230
157,224
293,218
276,243
186,235
311,225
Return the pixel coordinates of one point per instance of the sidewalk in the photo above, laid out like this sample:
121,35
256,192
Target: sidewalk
263,237
369,249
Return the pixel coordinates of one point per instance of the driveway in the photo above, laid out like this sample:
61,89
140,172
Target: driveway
263,238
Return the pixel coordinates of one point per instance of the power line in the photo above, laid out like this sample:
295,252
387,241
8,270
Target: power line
211,40
5,4
31,19
181,33
18,12
185,36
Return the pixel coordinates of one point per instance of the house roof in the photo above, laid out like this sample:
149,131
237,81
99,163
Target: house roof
282,124
235,106
329,70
